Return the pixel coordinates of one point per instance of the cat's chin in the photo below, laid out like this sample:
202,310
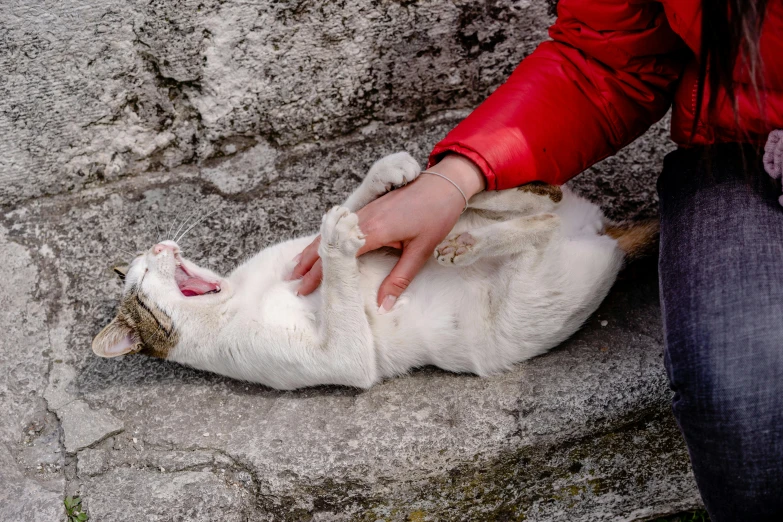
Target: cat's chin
191,284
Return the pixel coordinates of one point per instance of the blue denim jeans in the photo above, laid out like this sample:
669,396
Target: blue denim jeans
721,282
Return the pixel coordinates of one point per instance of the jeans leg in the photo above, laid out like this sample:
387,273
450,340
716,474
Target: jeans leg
721,281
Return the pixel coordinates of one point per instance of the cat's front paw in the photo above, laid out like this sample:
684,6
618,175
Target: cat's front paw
392,172
340,232
457,249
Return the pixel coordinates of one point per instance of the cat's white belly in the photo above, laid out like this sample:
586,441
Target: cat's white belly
447,313
480,319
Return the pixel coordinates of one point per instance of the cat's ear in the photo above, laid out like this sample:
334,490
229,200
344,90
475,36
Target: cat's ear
121,271
116,339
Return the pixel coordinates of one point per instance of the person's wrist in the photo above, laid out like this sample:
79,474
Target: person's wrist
463,172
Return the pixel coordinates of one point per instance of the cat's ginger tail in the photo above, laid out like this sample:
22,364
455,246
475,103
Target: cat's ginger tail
636,239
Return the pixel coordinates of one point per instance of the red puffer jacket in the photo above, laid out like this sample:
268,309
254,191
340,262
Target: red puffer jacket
610,71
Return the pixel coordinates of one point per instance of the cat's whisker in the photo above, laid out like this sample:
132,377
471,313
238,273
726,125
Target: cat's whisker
194,224
184,223
179,227
171,227
136,252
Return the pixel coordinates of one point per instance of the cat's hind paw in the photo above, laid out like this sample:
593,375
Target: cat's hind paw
340,232
457,250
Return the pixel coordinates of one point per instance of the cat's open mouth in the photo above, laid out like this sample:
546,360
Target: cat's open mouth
190,284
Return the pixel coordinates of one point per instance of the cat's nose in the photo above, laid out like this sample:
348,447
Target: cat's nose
165,245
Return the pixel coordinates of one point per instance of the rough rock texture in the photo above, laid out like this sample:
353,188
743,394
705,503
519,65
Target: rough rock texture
121,118
93,90
185,495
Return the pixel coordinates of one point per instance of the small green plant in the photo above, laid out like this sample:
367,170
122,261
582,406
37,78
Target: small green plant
73,510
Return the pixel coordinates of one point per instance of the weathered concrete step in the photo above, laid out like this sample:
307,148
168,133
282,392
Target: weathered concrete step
582,433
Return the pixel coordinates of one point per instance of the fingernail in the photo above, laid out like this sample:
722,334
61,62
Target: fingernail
297,258
387,304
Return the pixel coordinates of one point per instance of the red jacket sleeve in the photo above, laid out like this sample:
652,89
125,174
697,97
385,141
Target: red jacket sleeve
607,75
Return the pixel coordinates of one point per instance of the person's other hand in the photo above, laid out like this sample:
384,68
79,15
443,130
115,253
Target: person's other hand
414,219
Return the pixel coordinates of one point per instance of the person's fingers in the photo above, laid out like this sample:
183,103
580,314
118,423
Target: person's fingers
376,231
371,245
306,260
311,279
413,258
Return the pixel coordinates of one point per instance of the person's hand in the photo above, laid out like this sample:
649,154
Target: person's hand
414,219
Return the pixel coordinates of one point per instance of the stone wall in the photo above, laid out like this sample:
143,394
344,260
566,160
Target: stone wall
98,89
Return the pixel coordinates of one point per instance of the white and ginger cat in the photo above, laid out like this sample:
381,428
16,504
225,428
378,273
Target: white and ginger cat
520,272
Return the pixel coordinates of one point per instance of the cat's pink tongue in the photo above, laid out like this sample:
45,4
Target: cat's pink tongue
195,286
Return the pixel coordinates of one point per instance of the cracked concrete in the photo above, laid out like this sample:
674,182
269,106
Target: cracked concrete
119,119
84,427
31,456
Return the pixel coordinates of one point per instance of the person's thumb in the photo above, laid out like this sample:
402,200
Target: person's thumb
413,258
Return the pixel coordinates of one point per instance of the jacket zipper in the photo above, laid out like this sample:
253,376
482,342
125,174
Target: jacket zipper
694,95
696,115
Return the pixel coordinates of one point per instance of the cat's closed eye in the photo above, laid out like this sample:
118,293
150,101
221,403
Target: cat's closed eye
121,271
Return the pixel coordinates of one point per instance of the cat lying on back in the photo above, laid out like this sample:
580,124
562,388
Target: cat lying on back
521,271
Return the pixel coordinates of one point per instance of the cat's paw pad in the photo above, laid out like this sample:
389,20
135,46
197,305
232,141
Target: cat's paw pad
340,232
458,249
392,172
